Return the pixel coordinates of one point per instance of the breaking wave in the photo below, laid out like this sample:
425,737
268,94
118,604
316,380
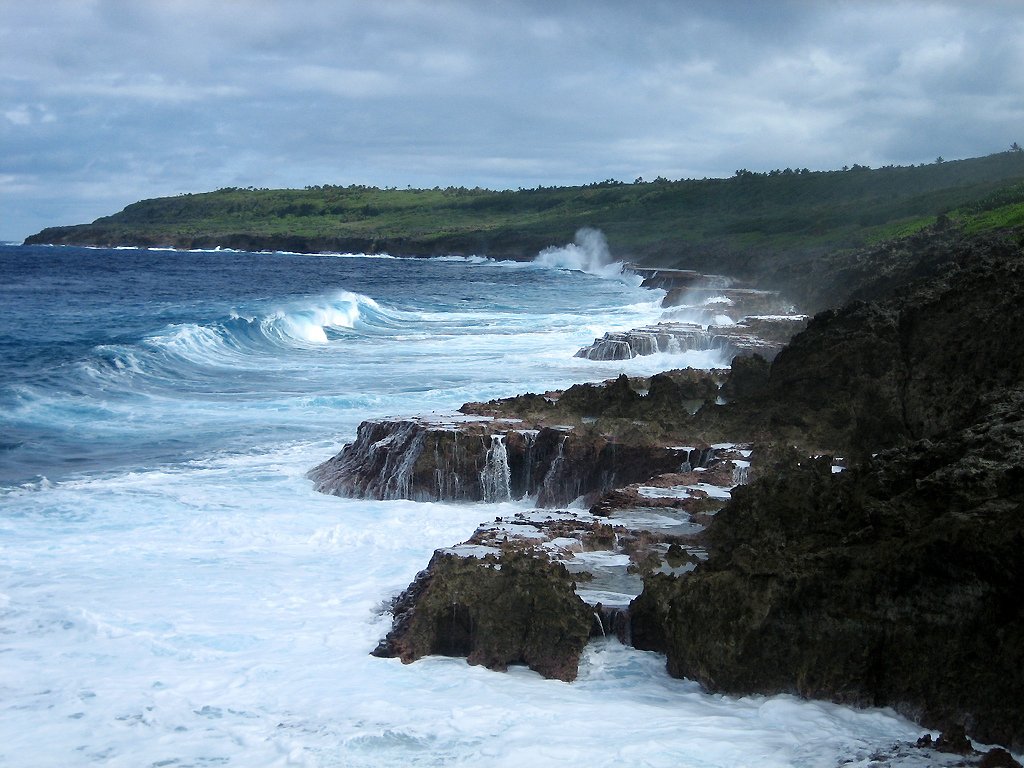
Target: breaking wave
246,341
587,253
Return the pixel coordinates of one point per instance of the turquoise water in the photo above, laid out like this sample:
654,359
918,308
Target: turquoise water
172,591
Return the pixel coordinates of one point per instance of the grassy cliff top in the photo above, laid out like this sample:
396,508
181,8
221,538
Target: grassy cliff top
734,224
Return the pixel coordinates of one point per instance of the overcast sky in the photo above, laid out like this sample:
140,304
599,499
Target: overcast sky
104,102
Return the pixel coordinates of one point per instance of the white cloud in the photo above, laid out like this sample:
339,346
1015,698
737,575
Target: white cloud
192,95
29,114
347,83
152,88
19,116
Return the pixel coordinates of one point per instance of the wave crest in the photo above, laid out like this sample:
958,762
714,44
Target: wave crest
587,253
241,341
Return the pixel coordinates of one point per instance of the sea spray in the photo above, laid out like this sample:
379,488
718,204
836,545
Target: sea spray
177,593
587,253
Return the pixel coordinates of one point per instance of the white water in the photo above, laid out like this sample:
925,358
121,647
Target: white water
588,253
186,599
182,620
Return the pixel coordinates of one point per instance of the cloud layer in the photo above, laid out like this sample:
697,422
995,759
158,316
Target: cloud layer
103,102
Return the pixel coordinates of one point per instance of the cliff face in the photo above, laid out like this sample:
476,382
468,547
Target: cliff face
894,582
494,607
486,461
872,375
897,582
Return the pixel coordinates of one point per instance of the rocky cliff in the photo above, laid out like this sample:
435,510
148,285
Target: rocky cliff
892,578
897,582
874,374
553,448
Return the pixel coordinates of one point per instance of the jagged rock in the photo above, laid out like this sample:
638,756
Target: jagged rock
896,584
666,279
501,608
928,752
664,401
676,338
706,312
878,272
763,336
871,376
527,588
748,378
485,461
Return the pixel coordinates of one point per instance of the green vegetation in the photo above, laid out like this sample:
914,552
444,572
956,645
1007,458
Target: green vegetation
1003,209
736,222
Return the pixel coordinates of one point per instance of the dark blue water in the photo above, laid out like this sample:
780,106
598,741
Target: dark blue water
172,590
127,358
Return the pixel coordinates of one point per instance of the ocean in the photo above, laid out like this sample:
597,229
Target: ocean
173,592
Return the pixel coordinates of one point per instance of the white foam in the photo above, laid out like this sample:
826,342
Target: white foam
206,607
588,253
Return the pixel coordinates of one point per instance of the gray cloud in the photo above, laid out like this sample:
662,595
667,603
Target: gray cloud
106,102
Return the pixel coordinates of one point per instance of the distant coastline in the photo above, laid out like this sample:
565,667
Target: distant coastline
753,225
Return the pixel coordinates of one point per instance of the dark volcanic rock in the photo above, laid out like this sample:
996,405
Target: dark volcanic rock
740,302
531,586
664,402
878,272
486,461
760,336
748,378
497,609
897,584
871,376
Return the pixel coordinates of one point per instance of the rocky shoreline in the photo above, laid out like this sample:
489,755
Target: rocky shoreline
713,522
704,312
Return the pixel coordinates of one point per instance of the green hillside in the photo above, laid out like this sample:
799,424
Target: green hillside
739,224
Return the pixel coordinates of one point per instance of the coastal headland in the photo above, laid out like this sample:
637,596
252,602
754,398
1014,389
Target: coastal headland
783,229
841,518
837,514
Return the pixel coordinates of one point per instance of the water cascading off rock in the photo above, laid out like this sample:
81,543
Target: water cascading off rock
484,461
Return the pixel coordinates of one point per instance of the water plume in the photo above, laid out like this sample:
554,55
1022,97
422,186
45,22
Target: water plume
587,253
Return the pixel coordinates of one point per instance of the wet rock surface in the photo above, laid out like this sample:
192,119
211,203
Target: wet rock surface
704,312
486,461
496,608
950,748
580,442
890,578
532,587
873,375
752,335
897,583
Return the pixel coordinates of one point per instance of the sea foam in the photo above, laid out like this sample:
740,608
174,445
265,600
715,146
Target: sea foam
177,594
587,253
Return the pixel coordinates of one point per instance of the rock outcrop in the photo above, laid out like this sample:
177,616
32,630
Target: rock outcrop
554,448
486,461
532,587
895,584
494,607
764,336
891,578
731,300
873,375
704,312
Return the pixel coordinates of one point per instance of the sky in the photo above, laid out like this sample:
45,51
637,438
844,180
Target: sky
105,102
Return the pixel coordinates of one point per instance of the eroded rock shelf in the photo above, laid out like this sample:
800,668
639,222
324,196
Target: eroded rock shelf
713,523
